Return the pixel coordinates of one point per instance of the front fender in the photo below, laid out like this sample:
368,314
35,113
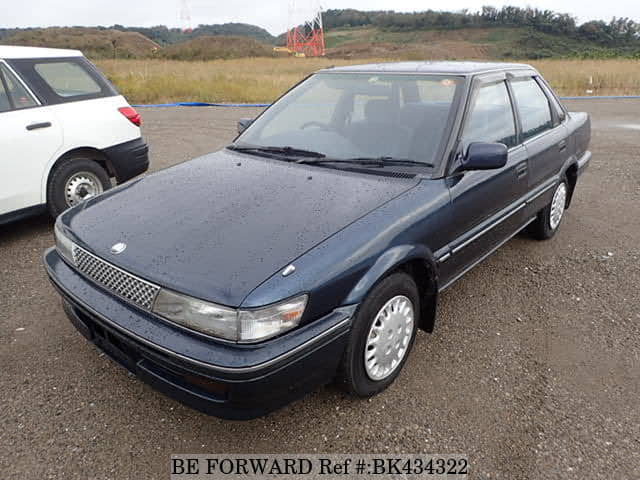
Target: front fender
386,263
416,260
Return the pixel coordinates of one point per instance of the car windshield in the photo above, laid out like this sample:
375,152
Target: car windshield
360,115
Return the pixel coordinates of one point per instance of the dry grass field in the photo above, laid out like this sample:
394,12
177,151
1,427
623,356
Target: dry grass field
264,79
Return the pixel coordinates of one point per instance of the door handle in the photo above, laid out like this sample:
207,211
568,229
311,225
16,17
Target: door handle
562,146
522,170
36,126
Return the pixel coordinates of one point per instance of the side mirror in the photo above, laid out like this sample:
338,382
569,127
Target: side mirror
485,156
244,123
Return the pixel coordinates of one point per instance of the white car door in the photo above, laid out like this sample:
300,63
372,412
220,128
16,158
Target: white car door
29,138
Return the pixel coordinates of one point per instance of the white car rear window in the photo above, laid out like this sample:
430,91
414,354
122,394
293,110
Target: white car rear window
67,79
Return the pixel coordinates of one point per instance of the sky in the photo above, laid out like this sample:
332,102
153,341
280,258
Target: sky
270,14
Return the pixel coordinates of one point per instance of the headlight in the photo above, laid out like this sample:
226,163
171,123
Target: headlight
263,323
64,245
243,326
197,314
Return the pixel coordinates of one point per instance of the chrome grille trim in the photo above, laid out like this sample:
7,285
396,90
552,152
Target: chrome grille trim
114,279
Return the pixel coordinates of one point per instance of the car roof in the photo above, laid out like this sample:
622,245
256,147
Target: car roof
12,52
450,68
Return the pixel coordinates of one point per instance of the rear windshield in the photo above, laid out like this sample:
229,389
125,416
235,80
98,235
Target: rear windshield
62,80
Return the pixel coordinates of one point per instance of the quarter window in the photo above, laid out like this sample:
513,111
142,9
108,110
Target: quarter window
555,103
559,110
533,106
13,96
67,79
490,117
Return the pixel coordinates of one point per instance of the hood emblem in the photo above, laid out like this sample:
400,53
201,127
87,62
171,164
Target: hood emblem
288,270
118,248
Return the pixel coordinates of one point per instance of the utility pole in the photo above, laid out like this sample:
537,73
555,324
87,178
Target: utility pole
185,16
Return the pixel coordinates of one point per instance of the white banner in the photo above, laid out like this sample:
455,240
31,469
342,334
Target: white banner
318,466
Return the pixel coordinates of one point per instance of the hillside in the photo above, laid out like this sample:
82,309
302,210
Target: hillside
508,32
505,33
361,42
168,36
217,47
342,42
207,42
94,42
463,43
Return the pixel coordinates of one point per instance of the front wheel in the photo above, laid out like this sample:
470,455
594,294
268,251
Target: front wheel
549,218
73,181
383,332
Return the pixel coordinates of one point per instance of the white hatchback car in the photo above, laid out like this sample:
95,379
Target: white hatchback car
65,132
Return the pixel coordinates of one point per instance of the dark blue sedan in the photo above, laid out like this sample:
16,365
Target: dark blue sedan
313,247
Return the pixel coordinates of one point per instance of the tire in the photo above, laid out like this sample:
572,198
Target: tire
549,219
354,375
74,180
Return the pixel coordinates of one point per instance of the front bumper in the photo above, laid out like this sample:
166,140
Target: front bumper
226,380
128,160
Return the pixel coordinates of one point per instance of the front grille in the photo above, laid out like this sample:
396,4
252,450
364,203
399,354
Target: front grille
124,284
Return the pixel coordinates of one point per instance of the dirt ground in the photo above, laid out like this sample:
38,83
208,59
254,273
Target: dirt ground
533,369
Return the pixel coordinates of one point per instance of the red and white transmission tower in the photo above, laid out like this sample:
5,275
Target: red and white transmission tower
305,37
185,16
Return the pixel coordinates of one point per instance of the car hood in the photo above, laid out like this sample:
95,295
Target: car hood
218,226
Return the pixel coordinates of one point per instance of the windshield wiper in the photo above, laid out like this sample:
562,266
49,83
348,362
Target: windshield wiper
287,151
369,161
316,158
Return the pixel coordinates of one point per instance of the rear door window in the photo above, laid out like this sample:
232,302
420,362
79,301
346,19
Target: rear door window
533,106
13,95
67,79
5,105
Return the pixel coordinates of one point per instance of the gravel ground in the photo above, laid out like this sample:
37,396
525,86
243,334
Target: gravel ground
533,369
